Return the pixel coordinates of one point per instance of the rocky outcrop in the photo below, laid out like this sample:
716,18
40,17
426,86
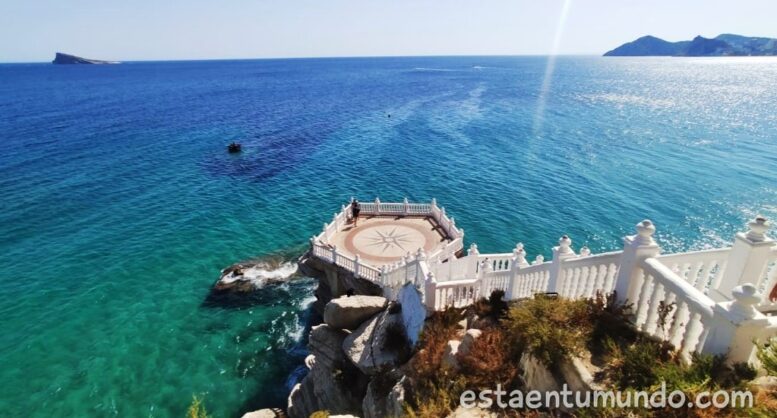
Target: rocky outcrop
414,311
373,347
264,413
333,383
61,58
349,312
246,277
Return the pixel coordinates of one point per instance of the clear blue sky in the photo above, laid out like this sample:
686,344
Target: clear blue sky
32,30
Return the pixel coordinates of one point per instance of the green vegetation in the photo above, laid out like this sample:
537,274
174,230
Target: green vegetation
767,354
320,414
197,409
555,329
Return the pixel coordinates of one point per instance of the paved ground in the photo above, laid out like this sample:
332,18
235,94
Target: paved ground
384,240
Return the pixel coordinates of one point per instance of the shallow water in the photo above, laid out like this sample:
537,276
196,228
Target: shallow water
119,204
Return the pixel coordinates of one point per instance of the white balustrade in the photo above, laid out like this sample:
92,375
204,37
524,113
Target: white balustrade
700,301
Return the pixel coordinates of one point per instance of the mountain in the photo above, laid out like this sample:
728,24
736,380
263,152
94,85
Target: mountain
721,45
648,46
61,58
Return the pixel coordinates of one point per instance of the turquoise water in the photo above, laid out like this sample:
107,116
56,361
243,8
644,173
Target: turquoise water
119,204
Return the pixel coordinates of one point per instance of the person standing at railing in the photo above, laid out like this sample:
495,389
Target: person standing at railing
355,209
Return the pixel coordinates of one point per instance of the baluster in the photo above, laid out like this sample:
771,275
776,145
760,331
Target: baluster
581,277
715,284
609,282
600,273
651,322
643,300
679,324
691,336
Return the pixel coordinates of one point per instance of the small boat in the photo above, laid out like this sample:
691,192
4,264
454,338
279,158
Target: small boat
234,148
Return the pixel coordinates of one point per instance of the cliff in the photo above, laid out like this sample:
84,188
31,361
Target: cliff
61,58
721,45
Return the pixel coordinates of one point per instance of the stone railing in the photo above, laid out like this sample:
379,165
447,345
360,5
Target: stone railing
713,301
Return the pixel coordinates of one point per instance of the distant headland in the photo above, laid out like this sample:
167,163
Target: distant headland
720,46
61,58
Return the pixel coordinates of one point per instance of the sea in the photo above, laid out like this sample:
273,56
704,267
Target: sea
119,204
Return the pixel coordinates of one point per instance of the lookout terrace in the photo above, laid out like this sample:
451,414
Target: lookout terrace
722,299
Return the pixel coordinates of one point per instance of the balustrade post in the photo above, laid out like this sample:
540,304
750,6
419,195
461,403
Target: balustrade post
377,206
430,291
357,261
736,324
748,259
334,254
406,206
636,248
472,261
482,277
434,204
520,256
313,244
560,253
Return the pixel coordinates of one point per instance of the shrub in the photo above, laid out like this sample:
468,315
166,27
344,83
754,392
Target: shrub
489,361
549,329
495,307
767,354
438,330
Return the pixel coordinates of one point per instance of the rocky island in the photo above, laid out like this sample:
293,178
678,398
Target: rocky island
61,58
719,46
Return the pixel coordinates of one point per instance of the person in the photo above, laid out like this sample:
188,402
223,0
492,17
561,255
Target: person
355,209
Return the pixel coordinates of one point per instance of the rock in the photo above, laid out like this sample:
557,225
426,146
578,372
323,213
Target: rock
462,412
413,311
61,58
241,279
310,361
766,382
333,383
469,340
372,348
348,312
449,356
374,402
262,413
396,399
325,342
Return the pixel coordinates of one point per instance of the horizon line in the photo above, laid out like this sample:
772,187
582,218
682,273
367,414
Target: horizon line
313,57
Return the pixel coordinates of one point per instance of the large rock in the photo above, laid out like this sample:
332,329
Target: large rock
348,312
385,396
373,347
469,340
462,412
262,413
449,356
413,311
333,383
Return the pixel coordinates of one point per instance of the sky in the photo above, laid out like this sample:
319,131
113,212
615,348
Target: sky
33,30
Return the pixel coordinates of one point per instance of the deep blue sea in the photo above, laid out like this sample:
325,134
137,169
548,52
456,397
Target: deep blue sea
119,204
